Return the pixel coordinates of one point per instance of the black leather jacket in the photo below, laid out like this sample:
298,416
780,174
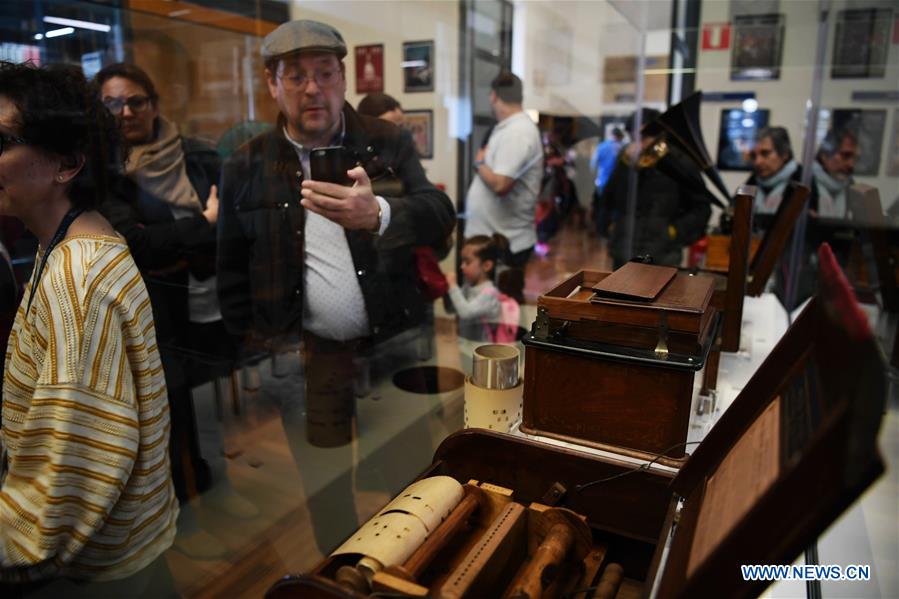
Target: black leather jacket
261,233
661,201
165,248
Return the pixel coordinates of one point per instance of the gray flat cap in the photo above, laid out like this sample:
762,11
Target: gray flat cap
303,36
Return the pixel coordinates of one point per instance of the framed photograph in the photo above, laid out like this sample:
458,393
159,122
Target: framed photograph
893,150
736,137
869,127
418,66
757,48
861,43
420,123
370,69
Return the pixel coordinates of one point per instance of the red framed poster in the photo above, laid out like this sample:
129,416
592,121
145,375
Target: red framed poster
716,36
369,69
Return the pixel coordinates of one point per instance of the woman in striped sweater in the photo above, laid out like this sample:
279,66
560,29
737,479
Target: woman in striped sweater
85,480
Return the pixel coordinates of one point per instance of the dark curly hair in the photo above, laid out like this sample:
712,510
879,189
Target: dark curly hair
60,114
377,104
126,71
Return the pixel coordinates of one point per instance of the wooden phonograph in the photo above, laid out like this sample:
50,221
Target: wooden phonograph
611,359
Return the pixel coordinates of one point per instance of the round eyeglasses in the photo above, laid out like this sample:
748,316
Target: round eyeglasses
8,140
324,79
134,103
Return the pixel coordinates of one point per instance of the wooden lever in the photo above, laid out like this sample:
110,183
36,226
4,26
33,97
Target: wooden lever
564,536
541,572
444,533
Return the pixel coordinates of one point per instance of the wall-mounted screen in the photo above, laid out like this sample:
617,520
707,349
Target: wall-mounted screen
736,136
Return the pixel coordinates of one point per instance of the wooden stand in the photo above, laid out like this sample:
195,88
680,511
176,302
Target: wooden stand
749,265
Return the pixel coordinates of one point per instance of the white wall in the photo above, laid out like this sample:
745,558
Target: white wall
560,48
391,23
786,97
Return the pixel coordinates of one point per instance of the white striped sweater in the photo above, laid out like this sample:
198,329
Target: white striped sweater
87,490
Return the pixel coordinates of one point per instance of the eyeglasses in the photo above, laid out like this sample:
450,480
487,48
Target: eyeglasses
134,103
326,78
9,140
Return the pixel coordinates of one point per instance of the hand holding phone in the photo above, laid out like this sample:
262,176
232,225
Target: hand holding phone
330,164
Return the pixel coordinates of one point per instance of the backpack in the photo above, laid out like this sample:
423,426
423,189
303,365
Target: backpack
506,330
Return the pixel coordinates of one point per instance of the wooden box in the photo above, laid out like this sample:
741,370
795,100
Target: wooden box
613,372
795,449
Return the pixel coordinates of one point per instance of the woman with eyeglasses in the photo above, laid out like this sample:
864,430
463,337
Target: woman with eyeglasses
85,481
166,207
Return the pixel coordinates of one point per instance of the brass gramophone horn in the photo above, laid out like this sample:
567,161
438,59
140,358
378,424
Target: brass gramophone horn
679,126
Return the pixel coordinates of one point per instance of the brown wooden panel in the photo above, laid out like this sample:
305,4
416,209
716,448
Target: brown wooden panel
188,11
616,403
636,281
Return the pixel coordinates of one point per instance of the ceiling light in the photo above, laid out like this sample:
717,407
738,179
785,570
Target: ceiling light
77,23
59,32
750,104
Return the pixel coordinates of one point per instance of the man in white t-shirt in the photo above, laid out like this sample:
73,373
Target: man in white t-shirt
503,194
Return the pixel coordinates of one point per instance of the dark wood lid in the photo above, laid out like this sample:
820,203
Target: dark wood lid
684,302
683,293
636,281
794,450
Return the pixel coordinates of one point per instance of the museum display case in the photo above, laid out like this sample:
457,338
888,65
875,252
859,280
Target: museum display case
263,498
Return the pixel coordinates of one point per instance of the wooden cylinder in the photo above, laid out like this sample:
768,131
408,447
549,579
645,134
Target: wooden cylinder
609,582
455,522
540,572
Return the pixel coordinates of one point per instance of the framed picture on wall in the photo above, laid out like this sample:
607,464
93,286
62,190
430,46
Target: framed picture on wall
370,69
861,43
418,66
757,47
868,126
736,137
420,123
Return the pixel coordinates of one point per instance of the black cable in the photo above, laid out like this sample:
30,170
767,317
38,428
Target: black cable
641,467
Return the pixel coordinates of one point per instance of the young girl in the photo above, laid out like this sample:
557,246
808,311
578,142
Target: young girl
477,302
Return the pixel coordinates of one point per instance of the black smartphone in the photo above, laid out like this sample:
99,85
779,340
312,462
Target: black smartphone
330,164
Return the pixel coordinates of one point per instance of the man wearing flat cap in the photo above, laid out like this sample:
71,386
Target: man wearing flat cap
328,263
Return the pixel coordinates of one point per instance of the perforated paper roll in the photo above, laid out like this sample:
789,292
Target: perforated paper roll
402,526
494,409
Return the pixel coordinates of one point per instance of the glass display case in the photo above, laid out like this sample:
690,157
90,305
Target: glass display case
262,493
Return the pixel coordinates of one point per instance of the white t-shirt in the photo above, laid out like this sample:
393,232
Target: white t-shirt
515,151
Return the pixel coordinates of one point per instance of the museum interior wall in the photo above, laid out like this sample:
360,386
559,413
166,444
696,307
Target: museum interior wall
392,23
786,95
